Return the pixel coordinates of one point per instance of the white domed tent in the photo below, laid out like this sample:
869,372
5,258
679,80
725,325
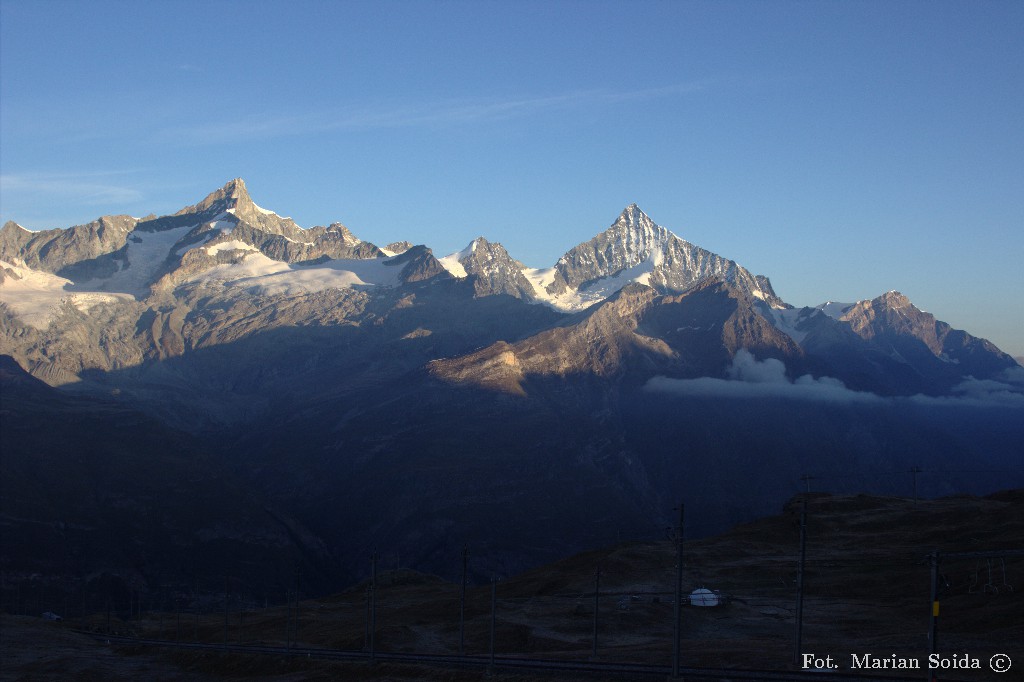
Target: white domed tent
703,597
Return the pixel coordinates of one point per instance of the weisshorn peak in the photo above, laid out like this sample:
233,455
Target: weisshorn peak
636,249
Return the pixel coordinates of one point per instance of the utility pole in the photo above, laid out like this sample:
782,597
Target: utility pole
287,618
678,612
914,471
934,558
494,608
295,627
373,606
800,583
462,602
597,607
933,629
225,612
366,634
807,478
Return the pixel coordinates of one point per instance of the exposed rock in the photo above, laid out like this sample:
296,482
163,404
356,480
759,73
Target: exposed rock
893,324
493,271
398,247
659,258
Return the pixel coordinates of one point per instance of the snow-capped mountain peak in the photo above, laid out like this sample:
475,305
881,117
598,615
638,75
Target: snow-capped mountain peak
639,237
492,269
634,216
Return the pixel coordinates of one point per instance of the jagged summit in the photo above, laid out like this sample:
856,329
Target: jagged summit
232,196
235,189
636,249
638,235
491,269
233,199
633,215
894,299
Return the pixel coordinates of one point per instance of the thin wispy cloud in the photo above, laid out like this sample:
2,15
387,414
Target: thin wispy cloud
440,113
44,200
95,188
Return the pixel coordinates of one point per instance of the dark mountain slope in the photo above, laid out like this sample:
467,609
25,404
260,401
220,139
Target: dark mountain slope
91,488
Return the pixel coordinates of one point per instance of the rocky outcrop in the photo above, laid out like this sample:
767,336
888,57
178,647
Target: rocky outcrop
83,251
493,271
397,248
418,264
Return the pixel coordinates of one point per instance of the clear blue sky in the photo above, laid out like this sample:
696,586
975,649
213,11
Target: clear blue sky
841,148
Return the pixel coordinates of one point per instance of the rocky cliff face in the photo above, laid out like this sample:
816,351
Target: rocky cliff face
636,248
80,252
493,271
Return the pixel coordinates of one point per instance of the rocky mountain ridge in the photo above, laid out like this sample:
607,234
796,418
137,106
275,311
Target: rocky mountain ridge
120,292
379,397
227,223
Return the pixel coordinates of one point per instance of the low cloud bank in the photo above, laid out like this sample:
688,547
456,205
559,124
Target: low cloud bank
1008,390
749,377
753,378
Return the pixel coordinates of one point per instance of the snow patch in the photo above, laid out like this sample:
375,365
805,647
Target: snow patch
540,277
146,254
787,320
233,245
451,264
262,275
834,309
578,299
264,211
453,261
35,297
